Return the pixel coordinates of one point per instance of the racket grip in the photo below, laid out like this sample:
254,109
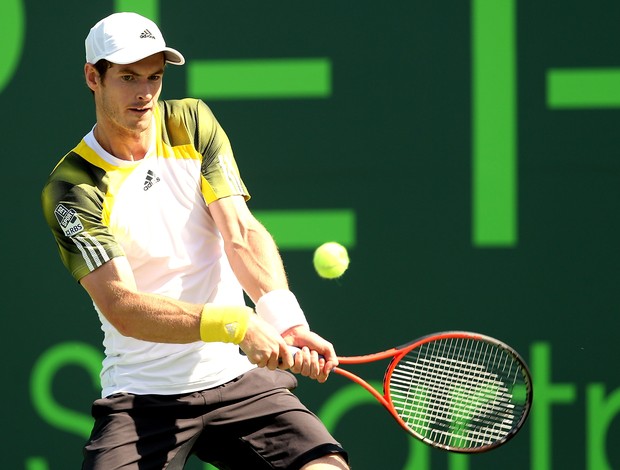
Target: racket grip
294,350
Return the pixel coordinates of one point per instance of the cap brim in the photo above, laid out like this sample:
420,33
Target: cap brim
172,56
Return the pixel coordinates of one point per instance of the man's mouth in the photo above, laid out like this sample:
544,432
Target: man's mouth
140,110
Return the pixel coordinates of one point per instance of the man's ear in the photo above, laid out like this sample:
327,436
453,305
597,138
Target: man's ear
92,76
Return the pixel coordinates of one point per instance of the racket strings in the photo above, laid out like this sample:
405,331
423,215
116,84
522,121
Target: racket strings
459,393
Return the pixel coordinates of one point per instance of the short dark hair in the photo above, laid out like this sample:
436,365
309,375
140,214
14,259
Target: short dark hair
102,67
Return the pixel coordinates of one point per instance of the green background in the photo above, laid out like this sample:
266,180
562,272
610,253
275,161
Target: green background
465,152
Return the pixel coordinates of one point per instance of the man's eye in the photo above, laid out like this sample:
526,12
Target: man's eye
126,78
155,77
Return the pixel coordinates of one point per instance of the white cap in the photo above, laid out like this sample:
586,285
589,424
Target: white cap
124,38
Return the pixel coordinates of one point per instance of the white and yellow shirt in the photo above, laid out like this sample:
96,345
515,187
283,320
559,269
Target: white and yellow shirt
154,212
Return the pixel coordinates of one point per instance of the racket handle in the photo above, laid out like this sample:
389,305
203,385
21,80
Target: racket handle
294,350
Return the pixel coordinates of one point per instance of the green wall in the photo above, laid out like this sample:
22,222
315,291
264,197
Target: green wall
465,152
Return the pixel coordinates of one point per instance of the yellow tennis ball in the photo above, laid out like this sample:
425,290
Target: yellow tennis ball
331,260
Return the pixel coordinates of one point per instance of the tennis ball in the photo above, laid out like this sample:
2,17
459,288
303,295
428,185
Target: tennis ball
331,260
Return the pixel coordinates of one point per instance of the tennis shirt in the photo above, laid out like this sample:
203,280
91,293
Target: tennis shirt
155,213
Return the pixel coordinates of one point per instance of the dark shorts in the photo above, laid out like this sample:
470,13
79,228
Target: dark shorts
253,422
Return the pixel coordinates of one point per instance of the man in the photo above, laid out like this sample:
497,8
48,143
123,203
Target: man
149,214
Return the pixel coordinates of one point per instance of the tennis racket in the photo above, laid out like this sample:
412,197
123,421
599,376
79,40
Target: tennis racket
456,390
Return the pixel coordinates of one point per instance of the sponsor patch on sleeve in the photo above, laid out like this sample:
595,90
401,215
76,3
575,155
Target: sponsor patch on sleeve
68,220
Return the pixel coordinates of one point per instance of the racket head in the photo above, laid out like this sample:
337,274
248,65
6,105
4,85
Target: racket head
459,391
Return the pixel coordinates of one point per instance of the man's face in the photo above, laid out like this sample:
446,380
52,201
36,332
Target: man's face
127,96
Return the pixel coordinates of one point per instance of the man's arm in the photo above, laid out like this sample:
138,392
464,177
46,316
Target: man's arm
251,250
258,266
156,318
144,316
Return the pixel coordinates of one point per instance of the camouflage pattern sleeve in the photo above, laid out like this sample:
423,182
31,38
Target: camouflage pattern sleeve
72,201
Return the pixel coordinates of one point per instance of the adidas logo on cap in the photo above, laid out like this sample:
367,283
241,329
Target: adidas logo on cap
146,34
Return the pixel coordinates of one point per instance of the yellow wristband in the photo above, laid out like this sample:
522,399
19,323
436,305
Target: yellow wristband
224,323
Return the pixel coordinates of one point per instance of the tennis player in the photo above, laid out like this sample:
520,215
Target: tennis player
149,214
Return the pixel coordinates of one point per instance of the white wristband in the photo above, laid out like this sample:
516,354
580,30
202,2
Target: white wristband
281,309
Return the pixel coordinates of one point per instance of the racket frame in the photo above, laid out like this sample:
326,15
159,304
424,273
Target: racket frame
397,353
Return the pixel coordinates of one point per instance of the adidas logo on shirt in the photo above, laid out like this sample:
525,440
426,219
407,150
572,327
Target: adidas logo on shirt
150,180
147,34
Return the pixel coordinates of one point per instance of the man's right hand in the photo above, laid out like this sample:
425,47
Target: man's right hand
264,346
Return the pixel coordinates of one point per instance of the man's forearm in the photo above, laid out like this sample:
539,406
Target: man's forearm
256,262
